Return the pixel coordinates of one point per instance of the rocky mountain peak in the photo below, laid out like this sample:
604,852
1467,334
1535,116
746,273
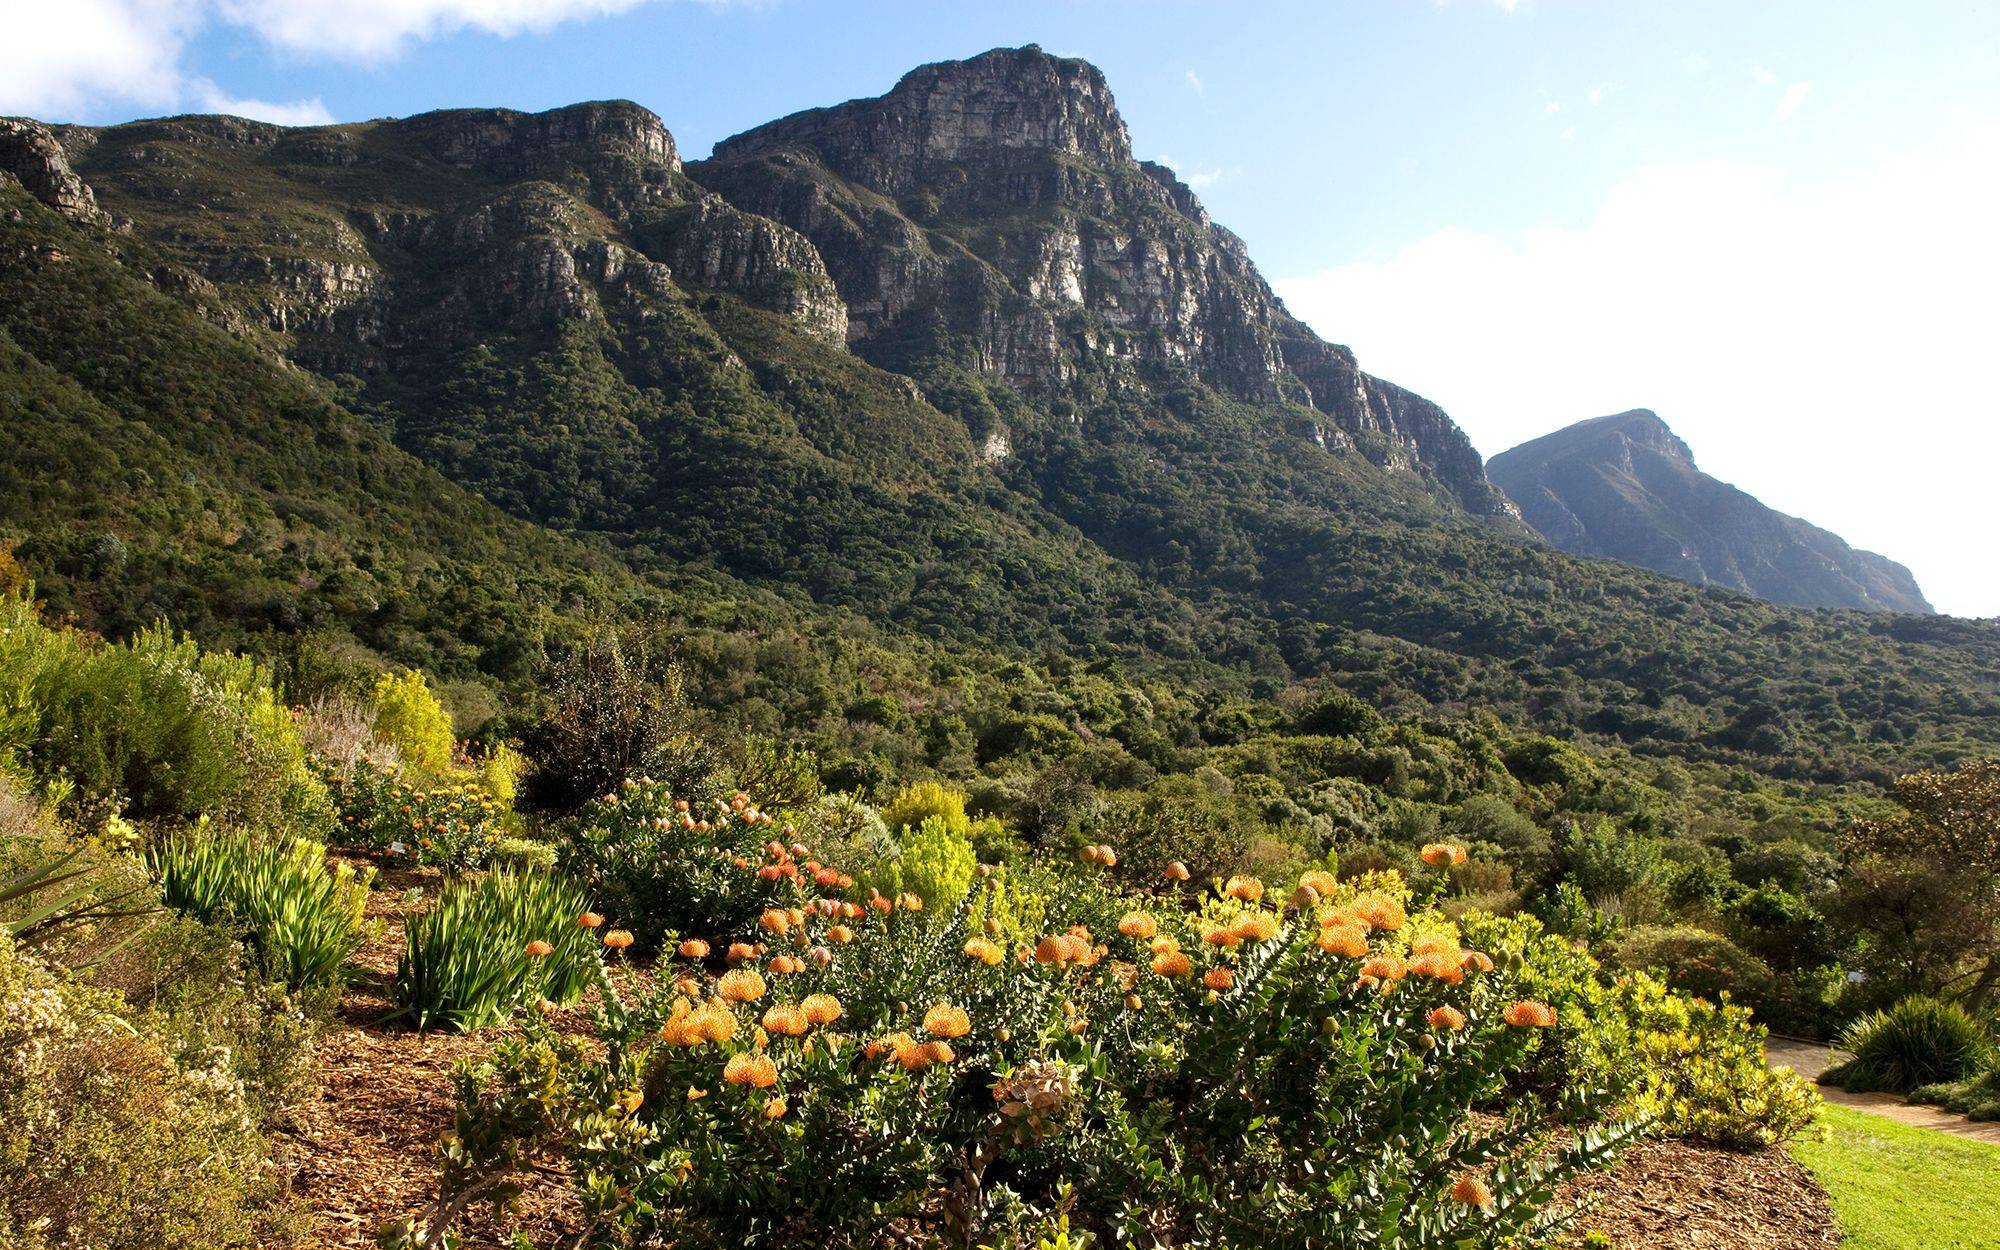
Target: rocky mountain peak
1004,102
1626,487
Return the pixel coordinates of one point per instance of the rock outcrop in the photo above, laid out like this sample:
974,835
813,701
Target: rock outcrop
30,152
996,201
1626,487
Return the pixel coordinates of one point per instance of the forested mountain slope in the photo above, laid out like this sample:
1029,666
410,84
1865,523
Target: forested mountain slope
950,362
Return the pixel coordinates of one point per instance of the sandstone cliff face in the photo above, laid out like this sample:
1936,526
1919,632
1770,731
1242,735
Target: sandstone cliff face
30,153
1626,487
999,196
361,238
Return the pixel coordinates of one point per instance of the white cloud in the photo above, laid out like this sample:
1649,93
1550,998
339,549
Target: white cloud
1602,92
210,98
1825,348
1198,177
80,56
373,29
1794,96
1194,81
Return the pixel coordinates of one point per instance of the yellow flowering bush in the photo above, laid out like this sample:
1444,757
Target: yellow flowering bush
1160,1085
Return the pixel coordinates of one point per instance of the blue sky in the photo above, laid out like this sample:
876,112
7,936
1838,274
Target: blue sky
1769,221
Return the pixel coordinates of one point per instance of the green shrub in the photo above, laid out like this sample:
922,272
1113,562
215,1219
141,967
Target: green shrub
1696,1067
927,800
110,1139
301,915
1697,962
523,853
936,864
466,962
409,718
1977,1096
1917,1042
155,726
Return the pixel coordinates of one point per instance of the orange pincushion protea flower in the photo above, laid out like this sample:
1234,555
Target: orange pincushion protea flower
1257,926
1446,1019
1434,943
1172,964
985,950
774,1108
589,920
1383,968
1530,1014
787,964
786,1021
1472,1191
1319,881
1137,924
740,985
1442,967
1478,961
775,920
1248,889
740,951
693,948
618,939
1218,978
1177,871
1052,950
1348,943
539,948
1078,947
1220,935
755,1071
939,1052
1442,854
821,1008
946,1020
840,933
1380,911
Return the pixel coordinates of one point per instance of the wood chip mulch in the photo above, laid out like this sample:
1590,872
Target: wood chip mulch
364,1152
1671,1195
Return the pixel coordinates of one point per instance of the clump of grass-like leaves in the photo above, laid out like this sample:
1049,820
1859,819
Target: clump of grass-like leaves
300,915
1919,1041
492,945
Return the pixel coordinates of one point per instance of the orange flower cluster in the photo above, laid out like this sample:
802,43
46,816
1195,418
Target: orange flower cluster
785,1020
1446,1019
590,920
1177,871
693,948
1137,924
1218,978
1072,947
1319,881
1442,854
740,985
946,1020
1530,1014
1346,941
755,1071
1101,855
539,948
985,950
1248,889
913,1055
689,1025
618,939
1472,1191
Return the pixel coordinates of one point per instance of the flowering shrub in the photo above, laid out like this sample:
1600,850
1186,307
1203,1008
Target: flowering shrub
1278,1068
1695,1067
453,823
663,866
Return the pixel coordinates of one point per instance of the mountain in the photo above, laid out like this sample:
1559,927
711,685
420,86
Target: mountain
1625,487
939,383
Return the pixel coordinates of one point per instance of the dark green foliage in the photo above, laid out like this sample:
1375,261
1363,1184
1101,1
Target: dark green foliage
466,962
1918,1042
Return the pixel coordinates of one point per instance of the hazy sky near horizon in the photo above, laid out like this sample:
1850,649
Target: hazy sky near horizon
1775,223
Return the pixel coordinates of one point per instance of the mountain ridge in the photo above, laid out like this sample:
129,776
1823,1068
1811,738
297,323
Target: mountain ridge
1626,487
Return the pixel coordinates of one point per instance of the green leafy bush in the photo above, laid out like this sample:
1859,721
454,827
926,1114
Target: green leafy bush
154,726
936,864
470,960
110,1139
927,800
1976,1096
1148,1072
1917,1042
409,718
1696,961
300,914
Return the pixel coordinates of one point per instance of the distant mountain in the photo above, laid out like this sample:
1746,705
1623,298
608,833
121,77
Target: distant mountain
1627,488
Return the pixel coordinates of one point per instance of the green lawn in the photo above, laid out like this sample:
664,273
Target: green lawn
1895,1187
